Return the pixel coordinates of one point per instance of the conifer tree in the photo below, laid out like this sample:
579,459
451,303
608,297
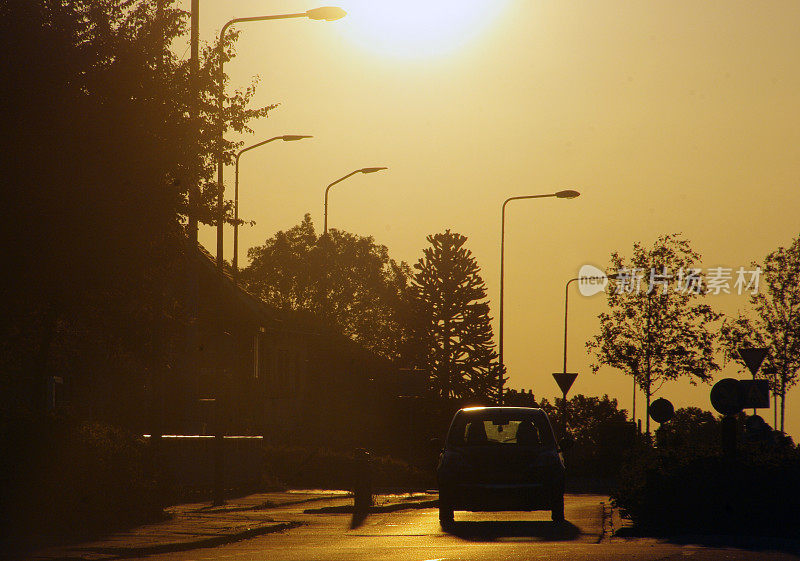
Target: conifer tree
453,319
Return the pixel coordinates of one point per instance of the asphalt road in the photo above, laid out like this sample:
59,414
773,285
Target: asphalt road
415,535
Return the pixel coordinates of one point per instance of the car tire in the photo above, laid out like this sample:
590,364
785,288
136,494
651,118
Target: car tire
446,515
557,513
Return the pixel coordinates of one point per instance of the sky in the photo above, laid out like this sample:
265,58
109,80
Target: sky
668,117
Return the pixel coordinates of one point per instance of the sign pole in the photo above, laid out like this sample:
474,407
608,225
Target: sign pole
752,358
564,381
729,436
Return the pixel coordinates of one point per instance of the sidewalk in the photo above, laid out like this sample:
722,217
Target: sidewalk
193,526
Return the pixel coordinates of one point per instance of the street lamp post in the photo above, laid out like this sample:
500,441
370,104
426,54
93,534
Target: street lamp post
327,13
328,188
567,194
566,311
566,306
285,138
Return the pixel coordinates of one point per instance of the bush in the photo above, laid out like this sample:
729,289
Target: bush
697,490
65,479
323,468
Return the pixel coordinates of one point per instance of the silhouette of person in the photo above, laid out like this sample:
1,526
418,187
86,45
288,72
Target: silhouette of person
476,433
527,435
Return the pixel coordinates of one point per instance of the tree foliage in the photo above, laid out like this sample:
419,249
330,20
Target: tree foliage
775,324
599,428
454,322
100,152
656,328
347,280
587,417
690,426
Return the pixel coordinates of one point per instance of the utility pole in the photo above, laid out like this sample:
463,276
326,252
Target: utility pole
194,104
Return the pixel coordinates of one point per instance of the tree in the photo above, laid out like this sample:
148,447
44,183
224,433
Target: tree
454,323
690,426
600,430
348,281
657,332
97,166
586,415
776,325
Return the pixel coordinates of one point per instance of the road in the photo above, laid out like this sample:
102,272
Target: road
415,535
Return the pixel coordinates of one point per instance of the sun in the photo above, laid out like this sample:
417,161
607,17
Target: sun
418,28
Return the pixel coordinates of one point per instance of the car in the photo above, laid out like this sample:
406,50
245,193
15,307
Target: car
500,458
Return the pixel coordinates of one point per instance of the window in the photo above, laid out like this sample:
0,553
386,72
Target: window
479,430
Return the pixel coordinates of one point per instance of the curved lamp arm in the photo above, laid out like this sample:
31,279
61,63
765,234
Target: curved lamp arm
352,173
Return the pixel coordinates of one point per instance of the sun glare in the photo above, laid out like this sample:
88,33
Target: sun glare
418,28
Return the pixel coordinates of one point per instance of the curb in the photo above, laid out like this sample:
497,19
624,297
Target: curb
214,541
741,541
264,506
348,509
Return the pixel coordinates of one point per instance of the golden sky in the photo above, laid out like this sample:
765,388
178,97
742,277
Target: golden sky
677,116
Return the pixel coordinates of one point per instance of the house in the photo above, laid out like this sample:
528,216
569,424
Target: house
261,371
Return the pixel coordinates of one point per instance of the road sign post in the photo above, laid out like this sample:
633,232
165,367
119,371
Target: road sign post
564,381
726,399
729,436
753,357
661,411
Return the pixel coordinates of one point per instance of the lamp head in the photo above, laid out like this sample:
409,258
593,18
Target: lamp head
327,13
293,137
568,194
371,170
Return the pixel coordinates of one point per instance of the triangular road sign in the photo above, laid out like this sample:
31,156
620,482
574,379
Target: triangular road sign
753,358
565,380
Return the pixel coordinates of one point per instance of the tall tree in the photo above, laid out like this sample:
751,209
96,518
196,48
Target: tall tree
97,166
776,325
454,319
349,281
657,329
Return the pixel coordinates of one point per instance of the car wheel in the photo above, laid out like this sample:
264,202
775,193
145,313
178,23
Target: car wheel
446,517
557,513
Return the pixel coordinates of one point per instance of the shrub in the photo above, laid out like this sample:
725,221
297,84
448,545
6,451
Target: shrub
699,491
323,468
66,479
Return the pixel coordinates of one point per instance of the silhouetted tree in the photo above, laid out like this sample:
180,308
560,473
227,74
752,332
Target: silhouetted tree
655,331
98,158
776,325
600,430
690,426
454,319
349,281
585,416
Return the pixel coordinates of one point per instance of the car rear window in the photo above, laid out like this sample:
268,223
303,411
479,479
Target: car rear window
482,429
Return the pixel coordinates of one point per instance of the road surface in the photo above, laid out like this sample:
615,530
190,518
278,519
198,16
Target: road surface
415,535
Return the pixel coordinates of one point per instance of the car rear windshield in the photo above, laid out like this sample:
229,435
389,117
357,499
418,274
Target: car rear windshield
482,428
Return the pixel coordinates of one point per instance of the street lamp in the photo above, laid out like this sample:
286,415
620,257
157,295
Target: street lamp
285,138
327,13
566,194
328,188
566,306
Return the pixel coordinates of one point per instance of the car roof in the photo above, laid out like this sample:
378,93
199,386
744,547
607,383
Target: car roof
530,412
503,409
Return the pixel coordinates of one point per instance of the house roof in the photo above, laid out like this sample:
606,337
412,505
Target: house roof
300,322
